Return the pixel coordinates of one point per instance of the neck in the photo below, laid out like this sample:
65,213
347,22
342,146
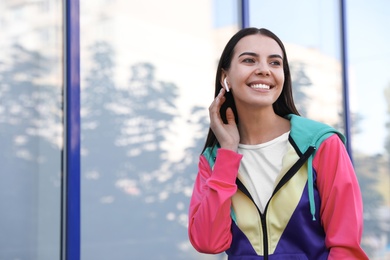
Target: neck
260,126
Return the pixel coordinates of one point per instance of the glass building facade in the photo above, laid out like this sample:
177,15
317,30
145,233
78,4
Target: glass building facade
103,114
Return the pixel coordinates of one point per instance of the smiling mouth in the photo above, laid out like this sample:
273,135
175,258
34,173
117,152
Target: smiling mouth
260,86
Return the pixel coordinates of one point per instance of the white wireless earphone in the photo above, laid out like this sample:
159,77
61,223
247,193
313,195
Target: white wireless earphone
226,85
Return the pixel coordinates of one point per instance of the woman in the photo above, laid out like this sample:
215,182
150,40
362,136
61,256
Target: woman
271,184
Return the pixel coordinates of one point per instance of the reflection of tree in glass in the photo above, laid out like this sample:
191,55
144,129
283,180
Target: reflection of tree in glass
132,193
370,170
186,169
300,81
101,158
30,111
31,143
28,103
386,214
387,98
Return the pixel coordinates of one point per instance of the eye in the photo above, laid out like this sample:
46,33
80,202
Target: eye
275,63
248,60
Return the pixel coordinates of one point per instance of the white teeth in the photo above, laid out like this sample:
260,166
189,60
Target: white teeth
262,86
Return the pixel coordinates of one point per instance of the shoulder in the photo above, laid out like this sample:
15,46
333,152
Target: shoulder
307,132
332,147
301,124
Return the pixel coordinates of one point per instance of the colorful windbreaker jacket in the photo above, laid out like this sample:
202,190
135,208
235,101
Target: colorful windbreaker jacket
315,211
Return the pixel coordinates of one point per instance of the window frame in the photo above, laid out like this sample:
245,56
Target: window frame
70,249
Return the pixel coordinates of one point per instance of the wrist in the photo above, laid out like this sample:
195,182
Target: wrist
231,147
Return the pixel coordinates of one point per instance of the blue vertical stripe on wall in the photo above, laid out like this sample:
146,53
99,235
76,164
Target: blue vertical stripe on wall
72,128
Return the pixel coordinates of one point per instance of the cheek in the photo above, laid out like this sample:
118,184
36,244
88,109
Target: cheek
281,78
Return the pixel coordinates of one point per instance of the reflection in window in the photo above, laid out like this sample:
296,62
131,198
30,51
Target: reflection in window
313,45
145,89
31,130
370,87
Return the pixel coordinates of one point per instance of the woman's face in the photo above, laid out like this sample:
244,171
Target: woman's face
256,74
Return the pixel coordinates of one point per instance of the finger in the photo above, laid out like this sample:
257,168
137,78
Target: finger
214,111
218,101
230,116
221,92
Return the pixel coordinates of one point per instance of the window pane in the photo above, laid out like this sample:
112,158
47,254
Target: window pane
312,40
147,79
31,131
369,60
313,45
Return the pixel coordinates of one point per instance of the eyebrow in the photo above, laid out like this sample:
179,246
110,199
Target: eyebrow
257,55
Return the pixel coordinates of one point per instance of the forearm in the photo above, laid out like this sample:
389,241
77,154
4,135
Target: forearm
341,201
209,213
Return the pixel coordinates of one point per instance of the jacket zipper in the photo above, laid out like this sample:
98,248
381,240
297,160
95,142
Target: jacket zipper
265,234
303,158
262,218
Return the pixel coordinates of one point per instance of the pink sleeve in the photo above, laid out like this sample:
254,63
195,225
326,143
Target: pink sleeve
341,200
209,212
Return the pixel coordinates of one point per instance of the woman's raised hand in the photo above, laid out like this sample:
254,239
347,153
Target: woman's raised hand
226,134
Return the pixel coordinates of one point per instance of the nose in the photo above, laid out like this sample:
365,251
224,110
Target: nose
262,69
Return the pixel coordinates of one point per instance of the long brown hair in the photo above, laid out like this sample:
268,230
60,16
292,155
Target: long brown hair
283,106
